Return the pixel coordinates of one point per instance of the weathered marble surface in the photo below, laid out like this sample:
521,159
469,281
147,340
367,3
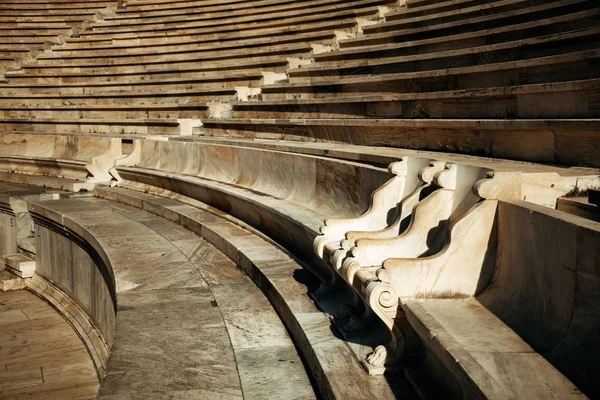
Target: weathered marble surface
172,333
496,363
546,286
328,357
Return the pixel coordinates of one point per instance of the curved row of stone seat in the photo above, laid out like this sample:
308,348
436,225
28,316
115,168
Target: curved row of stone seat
33,27
553,28
280,214
141,288
463,13
149,7
73,274
256,210
551,9
373,106
546,140
497,102
329,359
47,101
217,12
500,102
554,44
358,8
93,126
134,11
135,40
510,30
137,289
569,66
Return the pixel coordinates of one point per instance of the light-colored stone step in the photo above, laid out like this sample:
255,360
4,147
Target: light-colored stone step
10,281
20,265
499,102
317,17
548,69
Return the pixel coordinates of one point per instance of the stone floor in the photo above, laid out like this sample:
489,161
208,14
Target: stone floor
190,323
41,356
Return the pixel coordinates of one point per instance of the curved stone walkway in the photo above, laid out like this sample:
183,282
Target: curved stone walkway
190,324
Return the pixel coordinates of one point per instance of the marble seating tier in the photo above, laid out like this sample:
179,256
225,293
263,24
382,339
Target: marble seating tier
190,283
196,182
306,199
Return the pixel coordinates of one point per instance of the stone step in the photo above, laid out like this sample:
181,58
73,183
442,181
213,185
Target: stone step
180,56
90,126
556,68
467,341
280,10
121,98
75,83
55,5
149,39
144,7
10,281
137,86
47,12
165,10
417,10
547,26
459,14
186,45
525,48
20,265
324,351
200,8
222,27
239,64
220,72
534,13
104,113
229,18
15,20
70,185
485,137
498,102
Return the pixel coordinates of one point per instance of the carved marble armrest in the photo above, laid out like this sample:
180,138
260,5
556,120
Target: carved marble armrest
383,200
101,165
462,267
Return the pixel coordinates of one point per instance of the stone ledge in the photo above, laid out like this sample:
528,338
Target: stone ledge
273,271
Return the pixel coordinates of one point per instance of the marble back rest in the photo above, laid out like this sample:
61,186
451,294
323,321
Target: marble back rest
326,185
60,147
